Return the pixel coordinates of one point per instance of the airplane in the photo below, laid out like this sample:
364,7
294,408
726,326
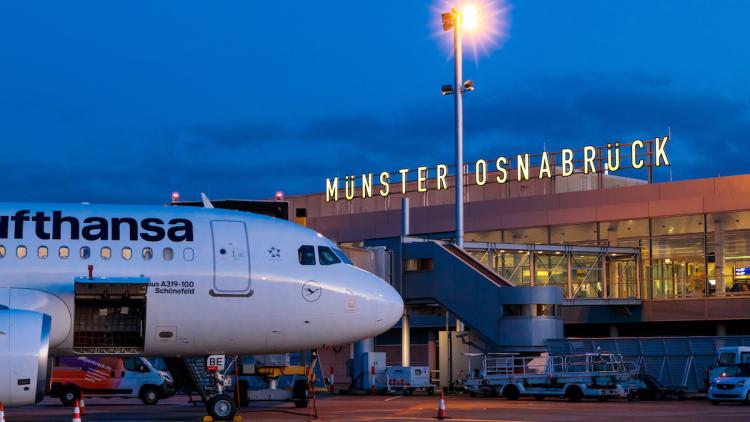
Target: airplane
171,281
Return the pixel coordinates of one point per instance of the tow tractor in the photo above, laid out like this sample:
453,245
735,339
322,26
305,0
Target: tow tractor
592,375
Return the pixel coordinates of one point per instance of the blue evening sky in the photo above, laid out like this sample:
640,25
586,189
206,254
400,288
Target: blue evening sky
126,101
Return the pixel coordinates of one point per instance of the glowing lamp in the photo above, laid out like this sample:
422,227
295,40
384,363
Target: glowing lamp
175,196
470,18
279,196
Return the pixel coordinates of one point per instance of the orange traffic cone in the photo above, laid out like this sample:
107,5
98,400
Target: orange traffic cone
442,413
2,412
83,406
76,413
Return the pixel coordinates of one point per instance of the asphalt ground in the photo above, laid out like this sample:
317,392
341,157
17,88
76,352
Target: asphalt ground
397,408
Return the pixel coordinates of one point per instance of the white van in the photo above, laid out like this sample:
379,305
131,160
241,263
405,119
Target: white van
130,377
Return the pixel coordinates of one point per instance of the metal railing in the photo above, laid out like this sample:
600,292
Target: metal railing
506,365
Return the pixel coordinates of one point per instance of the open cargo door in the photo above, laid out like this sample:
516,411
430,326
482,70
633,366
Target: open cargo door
110,315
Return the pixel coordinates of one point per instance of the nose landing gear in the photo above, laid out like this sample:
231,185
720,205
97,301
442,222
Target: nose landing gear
220,406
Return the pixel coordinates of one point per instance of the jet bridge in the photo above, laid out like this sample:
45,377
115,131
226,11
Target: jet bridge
512,294
514,318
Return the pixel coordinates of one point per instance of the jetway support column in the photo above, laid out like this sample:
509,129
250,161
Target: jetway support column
405,339
405,330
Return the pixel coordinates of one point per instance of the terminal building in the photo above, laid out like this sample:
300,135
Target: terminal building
589,255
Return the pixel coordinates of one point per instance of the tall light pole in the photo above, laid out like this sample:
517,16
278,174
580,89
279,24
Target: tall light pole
453,20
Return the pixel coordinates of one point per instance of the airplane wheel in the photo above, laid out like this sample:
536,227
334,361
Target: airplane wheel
221,407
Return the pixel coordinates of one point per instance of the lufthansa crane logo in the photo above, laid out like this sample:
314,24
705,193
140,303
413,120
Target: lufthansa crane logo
311,291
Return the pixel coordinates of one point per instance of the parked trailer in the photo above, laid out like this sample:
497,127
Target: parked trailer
592,375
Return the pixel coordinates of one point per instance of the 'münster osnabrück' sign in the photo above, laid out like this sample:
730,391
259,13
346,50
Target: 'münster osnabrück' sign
523,166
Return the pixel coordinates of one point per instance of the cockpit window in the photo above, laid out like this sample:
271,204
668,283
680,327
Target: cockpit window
326,256
306,255
345,259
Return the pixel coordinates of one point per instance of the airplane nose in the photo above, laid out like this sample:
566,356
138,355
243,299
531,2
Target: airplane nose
390,306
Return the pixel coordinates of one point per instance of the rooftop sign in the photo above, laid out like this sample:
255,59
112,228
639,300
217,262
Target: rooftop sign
434,178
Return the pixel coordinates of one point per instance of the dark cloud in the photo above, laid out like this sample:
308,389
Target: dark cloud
252,159
526,116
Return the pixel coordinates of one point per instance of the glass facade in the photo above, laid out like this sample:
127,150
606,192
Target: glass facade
679,257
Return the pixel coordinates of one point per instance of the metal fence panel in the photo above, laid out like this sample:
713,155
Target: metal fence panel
676,361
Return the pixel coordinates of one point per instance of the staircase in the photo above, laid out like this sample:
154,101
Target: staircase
476,295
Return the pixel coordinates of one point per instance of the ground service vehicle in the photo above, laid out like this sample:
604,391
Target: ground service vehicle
592,375
731,385
727,357
130,377
408,379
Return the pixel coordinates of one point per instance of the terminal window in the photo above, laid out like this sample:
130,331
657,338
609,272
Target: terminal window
419,264
531,310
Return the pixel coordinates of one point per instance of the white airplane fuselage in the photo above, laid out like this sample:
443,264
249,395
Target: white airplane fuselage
234,284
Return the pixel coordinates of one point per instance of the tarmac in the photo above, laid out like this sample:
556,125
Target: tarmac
395,408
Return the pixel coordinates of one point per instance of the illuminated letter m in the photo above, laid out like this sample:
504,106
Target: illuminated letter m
332,189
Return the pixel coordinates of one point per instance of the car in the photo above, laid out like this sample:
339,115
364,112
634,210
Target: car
732,385
650,388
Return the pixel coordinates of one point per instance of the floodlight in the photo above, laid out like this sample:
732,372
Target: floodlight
449,20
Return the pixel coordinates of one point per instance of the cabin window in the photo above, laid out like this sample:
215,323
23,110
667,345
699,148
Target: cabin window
21,251
326,256
106,253
306,255
2,251
85,252
188,254
147,254
42,252
63,252
168,254
127,253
